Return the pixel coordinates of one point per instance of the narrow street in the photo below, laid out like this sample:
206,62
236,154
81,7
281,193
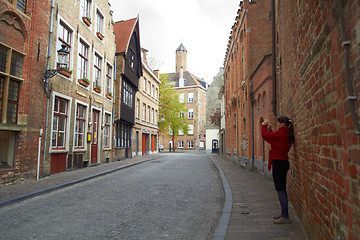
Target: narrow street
179,196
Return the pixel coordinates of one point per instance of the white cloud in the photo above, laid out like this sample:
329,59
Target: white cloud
203,26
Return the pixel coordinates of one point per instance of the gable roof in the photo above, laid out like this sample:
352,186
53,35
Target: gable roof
123,32
190,80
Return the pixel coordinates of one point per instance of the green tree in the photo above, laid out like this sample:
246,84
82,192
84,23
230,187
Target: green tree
171,110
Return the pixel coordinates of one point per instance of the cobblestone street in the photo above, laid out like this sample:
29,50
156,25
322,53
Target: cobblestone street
177,197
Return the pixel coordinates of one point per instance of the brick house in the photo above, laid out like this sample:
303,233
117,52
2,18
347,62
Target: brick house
128,72
79,127
146,128
248,83
318,86
192,91
24,34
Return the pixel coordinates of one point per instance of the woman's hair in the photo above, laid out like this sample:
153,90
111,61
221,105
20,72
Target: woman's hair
288,124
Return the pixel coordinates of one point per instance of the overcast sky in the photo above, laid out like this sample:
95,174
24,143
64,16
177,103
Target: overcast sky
203,26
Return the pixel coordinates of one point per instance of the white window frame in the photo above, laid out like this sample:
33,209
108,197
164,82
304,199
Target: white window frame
78,74
102,27
110,130
84,148
59,43
180,144
181,97
190,97
190,144
191,113
144,112
191,129
96,53
82,10
109,89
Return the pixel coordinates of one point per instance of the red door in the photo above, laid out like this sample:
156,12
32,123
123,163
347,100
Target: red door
58,163
143,143
95,136
153,143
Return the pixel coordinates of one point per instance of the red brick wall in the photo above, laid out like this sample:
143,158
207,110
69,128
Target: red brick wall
31,40
324,179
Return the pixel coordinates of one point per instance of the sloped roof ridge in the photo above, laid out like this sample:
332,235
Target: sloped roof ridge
123,35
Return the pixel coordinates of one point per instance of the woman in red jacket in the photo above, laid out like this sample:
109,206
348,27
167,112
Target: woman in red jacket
280,142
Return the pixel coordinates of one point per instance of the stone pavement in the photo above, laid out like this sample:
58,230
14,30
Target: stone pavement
254,202
250,198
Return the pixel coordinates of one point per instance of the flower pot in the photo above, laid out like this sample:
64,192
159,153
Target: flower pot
83,83
109,97
86,21
99,35
65,73
97,90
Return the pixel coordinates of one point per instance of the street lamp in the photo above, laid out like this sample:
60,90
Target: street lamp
61,63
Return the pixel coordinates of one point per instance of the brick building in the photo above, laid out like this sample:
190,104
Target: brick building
24,31
314,79
318,86
128,72
80,102
146,129
192,91
248,83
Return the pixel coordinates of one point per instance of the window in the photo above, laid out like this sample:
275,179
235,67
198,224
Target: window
181,114
156,117
7,140
59,123
99,22
107,130
127,93
156,93
80,126
83,59
97,71
190,97
137,108
144,112
149,88
191,113
85,8
19,4
152,115
132,59
144,84
190,144
148,114
181,132
108,78
152,90
170,131
181,97
190,129
181,144
123,135
64,38
10,82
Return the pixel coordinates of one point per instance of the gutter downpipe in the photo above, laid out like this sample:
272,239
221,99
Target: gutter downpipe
47,83
346,44
273,30
252,126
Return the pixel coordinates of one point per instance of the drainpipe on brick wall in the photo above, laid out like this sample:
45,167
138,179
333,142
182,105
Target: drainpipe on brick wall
47,84
252,126
351,96
273,30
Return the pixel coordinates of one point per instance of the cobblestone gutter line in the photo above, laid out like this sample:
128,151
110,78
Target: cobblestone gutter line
221,228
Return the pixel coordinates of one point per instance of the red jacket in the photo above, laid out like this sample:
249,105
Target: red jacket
279,141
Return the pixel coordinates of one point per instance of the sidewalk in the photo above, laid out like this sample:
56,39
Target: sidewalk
14,193
254,202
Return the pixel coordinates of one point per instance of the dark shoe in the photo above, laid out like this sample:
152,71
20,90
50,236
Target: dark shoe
282,221
277,217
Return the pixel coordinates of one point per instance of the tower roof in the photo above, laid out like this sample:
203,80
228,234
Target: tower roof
181,48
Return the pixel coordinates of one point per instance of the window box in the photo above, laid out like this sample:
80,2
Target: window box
87,21
97,89
99,35
109,95
64,71
84,82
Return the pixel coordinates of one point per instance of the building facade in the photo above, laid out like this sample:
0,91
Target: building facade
318,86
246,85
145,131
128,73
80,96
192,91
22,97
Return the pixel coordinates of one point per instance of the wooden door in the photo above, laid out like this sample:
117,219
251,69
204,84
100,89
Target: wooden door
143,143
58,163
95,137
152,143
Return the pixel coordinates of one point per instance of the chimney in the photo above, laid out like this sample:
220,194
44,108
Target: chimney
156,72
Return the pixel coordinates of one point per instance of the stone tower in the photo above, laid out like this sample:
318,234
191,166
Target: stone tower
181,58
